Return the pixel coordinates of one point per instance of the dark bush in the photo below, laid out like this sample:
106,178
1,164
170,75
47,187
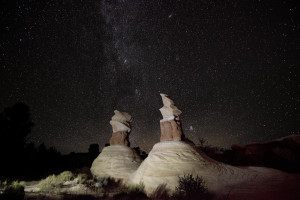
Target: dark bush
190,187
12,191
161,193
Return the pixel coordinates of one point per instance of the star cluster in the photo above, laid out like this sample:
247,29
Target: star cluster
230,66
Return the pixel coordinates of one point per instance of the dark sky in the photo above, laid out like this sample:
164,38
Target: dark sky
230,66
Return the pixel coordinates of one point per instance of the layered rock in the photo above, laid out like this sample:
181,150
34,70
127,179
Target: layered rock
118,160
170,159
120,123
119,138
170,125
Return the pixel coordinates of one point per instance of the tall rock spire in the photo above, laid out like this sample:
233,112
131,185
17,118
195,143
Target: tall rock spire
170,125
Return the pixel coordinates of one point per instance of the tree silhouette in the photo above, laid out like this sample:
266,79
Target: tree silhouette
15,125
94,149
93,152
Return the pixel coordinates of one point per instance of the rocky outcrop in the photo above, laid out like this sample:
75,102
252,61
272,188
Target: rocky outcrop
120,123
117,161
283,154
170,159
170,125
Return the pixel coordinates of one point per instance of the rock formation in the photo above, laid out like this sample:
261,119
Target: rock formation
172,158
118,160
170,125
282,154
120,123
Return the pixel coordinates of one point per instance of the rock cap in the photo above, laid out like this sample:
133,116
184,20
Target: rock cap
121,121
169,111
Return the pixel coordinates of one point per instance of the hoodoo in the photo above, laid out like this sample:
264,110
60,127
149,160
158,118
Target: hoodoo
170,125
171,158
117,160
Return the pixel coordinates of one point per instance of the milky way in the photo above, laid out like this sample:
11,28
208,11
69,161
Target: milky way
230,66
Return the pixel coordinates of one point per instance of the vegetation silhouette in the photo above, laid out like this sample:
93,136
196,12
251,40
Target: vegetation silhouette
15,125
21,160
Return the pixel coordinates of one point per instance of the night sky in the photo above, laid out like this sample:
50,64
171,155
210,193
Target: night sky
230,66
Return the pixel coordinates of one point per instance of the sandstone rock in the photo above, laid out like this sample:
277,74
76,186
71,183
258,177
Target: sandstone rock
170,125
168,160
119,138
170,130
169,110
120,123
117,161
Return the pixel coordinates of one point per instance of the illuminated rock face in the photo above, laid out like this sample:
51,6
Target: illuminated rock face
169,160
170,125
117,161
119,138
170,131
120,123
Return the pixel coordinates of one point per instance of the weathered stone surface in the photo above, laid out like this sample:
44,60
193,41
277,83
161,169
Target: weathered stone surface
168,160
117,161
169,110
119,138
121,121
170,125
170,131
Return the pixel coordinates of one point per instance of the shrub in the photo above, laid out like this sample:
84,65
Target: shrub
114,186
161,192
137,188
65,176
81,178
48,184
14,190
106,185
190,187
3,184
53,183
17,185
101,182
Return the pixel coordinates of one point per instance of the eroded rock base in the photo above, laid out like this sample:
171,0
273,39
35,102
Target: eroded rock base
119,138
171,131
